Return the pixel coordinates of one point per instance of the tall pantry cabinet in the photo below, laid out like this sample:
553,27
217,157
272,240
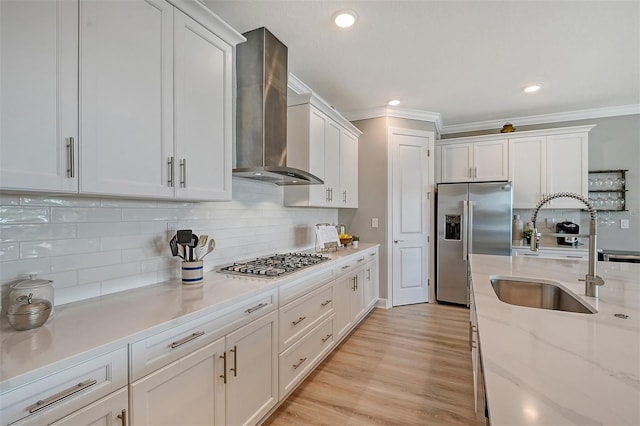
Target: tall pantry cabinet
127,99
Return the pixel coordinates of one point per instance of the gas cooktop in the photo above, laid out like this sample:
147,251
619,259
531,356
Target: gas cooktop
274,266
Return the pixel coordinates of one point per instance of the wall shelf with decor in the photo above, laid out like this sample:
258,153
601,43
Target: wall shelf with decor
607,190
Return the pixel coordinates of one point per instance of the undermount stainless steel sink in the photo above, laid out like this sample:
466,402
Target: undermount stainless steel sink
537,294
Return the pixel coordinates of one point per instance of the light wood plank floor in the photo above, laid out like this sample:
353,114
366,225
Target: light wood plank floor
409,365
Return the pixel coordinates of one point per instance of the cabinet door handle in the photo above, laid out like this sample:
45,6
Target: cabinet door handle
170,172
235,361
183,173
470,172
326,302
298,321
356,277
187,339
475,172
361,259
331,194
123,417
327,337
368,273
346,267
327,195
302,360
61,395
255,308
71,154
223,376
344,196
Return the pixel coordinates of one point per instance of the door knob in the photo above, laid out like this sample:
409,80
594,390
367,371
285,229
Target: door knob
398,241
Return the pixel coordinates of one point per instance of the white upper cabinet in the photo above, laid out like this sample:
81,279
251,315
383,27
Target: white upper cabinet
117,98
203,102
474,161
348,170
325,144
39,95
550,162
126,97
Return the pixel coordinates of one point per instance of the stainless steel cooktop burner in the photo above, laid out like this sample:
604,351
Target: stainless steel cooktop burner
274,266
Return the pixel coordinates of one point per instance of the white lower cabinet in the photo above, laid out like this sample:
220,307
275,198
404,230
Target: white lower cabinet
349,297
371,281
186,392
82,392
109,411
252,371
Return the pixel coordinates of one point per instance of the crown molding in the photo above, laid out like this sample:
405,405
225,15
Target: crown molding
585,114
297,85
410,114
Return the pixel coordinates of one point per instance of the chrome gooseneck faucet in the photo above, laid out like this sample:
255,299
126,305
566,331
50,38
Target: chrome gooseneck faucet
591,281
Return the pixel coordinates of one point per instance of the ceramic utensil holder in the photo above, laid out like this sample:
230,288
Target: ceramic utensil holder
192,273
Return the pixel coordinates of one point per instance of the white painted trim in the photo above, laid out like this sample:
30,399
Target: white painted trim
584,114
204,16
385,111
383,303
297,85
516,135
322,105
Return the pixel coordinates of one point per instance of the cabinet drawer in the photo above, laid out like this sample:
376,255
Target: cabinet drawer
292,290
62,393
156,351
300,359
300,316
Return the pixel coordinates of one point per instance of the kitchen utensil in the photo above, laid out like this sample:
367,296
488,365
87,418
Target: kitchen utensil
173,243
185,236
210,247
192,246
26,313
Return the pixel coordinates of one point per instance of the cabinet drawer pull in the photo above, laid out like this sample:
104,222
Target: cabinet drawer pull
71,154
186,339
170,172
235,360
372,254
573,256
346,267
223,376
327,337
61,395
361,259
531,254
123,417
298,321
302,360
326,302
255,308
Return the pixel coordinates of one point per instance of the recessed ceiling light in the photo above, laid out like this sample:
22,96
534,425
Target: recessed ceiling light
344,18
393,102
532,88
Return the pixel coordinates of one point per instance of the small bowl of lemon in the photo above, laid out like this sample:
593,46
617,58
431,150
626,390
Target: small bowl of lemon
345,239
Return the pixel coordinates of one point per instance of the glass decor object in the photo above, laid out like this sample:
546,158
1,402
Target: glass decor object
607,190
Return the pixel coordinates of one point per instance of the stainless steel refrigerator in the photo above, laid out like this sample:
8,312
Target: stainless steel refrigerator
471,218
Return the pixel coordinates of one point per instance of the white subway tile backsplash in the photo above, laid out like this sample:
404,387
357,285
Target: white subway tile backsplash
86,260
20,214
122,270
59,247
80,214
9,251
36,200
21,268
91,246
36,232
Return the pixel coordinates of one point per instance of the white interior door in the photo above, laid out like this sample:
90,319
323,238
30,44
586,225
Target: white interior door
410,183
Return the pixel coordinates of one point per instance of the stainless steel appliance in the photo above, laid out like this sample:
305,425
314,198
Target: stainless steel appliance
619,256
471,218
274,266
567,227
261,112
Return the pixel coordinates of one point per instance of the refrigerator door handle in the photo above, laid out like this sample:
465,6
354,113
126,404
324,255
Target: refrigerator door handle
465,212
470,227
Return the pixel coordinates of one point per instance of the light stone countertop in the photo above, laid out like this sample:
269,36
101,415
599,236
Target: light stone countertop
546,367
99,325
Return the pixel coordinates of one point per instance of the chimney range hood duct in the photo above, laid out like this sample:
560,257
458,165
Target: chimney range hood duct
261,119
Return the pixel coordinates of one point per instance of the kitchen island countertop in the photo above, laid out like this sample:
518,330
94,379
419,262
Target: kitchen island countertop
546,367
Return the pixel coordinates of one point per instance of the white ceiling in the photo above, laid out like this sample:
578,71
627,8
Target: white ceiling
467,60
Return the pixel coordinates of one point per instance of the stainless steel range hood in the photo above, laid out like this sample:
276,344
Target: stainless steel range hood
261,119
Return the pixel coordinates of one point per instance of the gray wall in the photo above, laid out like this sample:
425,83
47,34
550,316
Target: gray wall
613,144
372,185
